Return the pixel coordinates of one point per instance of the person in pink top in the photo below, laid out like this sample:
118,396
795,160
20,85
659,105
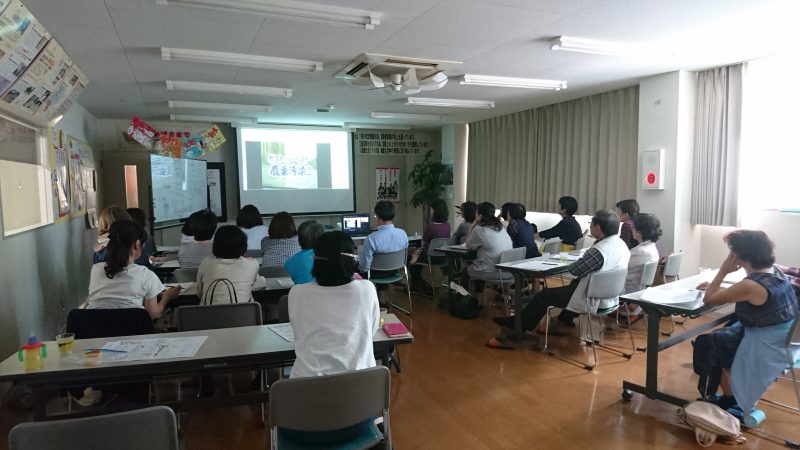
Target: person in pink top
438,227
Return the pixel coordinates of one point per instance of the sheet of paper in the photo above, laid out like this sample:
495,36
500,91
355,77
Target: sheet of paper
668,295
458,247
539,266
564,256
283,330
158,348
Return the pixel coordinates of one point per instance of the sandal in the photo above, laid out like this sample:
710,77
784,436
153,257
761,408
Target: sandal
633,319
555,330
499,343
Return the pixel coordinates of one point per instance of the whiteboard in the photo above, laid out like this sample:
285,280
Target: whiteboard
180,187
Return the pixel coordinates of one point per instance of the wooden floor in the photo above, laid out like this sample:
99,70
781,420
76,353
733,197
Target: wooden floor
454,393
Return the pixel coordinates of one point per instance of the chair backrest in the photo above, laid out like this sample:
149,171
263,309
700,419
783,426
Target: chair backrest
552,247
253,253
273,272
514,254
211,317
283,309
648,274
98,323
438,243
329,402
608,284
672,266
185,275
793,338
152,428
389,261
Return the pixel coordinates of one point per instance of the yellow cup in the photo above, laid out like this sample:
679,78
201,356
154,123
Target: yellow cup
65,343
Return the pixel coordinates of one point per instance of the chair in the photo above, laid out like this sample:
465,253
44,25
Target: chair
433,251
498,276
273,272
98,323
645,280
391,262
328,403
792,340
153,428
601,286
185,275
283,309
552,248
672,267
211,317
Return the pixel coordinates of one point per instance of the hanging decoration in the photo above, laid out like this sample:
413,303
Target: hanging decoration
175,144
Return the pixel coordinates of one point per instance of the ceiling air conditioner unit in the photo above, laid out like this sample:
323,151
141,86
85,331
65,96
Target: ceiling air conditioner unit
396,73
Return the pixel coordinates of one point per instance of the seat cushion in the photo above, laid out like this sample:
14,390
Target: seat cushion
386,280
361,436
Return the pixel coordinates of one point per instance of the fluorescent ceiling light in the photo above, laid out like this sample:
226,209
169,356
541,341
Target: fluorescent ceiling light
408,116
289,10
454,103
221,106
376,126
525,83
240,60
594,47
184,118
227,88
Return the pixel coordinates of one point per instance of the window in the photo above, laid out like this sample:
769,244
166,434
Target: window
25,195
770,152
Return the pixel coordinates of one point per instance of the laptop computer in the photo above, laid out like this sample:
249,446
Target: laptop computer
356,224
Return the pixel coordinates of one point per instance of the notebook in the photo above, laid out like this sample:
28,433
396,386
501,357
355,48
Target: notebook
395,329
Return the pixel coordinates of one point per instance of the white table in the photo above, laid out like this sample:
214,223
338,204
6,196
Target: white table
242,348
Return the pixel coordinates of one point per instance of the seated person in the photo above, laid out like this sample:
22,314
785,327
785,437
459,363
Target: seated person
228,263
386,239
437,228
488,237
250,221
520,230
187,230
627,210
335,317
300,264
793,275
468,210
647,230
607,253
119,283
281,241
138,216
191,254
107,218
751,352
568,229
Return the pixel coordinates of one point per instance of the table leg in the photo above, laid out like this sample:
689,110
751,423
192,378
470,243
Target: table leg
518,280
651,379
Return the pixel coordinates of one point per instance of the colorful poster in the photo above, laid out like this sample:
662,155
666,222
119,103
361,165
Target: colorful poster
212,138
21,39
40,80
141,132
387,184
169,145
192,147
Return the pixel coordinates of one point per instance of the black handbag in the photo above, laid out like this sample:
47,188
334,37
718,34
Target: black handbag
228,284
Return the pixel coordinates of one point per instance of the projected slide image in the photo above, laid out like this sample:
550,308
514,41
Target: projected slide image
288,170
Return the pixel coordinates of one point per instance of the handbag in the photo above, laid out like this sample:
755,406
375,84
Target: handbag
212,287
710,422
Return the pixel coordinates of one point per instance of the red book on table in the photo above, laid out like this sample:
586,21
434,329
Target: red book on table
395,329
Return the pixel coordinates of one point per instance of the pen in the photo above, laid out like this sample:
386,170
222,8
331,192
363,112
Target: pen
550,264
90,350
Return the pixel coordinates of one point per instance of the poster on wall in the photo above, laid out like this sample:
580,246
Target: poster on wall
59,162
393,143
387,184
40,80
21,39
79,155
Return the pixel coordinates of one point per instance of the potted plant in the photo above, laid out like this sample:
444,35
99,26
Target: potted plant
429,177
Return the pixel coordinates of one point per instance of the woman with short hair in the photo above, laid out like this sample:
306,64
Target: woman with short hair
281,241
192,253
301,263
228,277
250,221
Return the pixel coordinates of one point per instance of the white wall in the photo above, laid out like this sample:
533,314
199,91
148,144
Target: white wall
666,120
45,272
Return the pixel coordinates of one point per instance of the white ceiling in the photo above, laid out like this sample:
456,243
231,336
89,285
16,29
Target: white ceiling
117,44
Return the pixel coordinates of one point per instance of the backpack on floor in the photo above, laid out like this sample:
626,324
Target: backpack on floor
710,422
464,307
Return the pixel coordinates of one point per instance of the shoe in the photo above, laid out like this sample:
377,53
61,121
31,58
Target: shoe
555,329
505,322
497,342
